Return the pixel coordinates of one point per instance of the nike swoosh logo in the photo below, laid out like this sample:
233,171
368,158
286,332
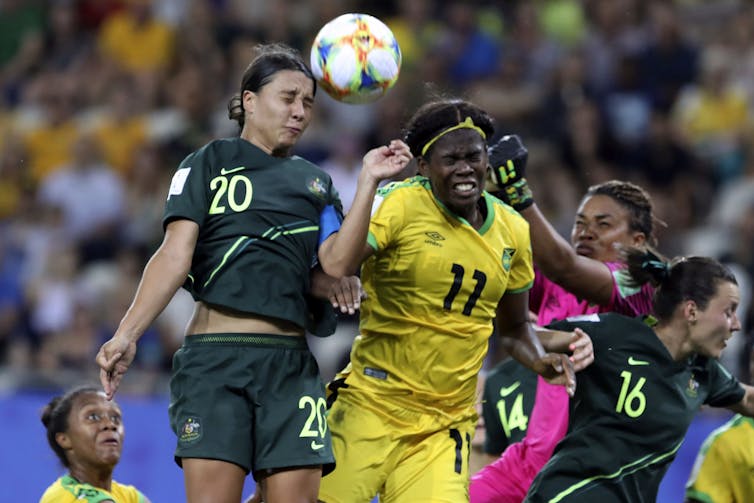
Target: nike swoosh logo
633,361
229,171
510,389
316,446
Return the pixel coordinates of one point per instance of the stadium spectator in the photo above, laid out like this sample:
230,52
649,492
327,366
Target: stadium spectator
86,432
246,260
136,42
649,378
49,140
91,196
402,412
713,116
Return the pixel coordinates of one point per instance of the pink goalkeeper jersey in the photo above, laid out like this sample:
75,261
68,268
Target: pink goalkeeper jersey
552,302
509,477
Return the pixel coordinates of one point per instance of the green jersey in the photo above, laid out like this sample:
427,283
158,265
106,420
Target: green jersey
629,415
507,403
259,226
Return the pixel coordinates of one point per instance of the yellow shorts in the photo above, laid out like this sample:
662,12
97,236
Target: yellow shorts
405,455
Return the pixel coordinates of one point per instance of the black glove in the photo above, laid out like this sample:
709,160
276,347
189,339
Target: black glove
507,160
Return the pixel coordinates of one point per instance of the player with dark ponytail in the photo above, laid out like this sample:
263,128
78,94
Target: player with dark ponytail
650,376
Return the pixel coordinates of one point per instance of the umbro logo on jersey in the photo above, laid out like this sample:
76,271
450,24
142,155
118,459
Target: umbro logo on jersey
634,361
434,238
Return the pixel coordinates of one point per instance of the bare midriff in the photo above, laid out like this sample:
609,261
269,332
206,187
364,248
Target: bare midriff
210,319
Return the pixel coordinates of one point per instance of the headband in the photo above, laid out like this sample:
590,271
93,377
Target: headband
466,124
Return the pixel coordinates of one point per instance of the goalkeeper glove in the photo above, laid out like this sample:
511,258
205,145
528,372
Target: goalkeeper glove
507,160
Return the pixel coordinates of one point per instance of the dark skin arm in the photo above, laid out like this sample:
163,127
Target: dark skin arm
344,293
520,340
585,277
577,343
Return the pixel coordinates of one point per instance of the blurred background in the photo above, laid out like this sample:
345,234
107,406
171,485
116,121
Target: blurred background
101,99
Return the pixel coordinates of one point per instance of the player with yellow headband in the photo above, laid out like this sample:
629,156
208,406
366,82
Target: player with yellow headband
443,260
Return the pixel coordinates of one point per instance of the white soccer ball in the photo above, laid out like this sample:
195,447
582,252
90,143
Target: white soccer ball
355,58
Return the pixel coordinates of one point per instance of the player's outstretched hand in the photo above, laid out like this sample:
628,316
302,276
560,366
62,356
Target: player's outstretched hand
114,358
582,351
346,294
556,368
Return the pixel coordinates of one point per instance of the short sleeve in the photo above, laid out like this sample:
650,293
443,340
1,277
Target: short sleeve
725,390
521,276
329,223
333,199
388,216
187,195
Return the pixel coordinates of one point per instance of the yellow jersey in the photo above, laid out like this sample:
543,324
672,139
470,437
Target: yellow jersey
724,468
433,286
69,490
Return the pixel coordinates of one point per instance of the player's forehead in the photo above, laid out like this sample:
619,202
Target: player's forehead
292,82
460,141
94,400
602,206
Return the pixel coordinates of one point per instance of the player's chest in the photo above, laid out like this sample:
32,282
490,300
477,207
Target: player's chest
237,190
453,256
642,388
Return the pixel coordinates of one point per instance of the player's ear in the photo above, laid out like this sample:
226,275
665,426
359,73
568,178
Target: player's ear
639,239
422,166
248,100
63,440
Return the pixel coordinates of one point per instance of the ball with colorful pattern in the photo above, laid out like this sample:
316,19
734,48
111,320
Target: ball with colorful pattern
355,58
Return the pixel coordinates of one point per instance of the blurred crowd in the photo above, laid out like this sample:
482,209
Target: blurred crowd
101,99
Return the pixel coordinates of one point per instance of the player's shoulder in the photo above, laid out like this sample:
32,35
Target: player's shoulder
506,217
605,325
413,183
499,205
128,493
733,433
397,191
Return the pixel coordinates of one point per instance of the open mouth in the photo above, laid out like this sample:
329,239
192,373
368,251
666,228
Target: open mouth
464,188
112,441
585,251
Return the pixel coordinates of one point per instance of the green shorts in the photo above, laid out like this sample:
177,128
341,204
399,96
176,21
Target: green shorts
255,400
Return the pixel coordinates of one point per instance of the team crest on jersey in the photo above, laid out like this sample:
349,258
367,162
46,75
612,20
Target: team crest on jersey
317,187
692,389
507,257
191,431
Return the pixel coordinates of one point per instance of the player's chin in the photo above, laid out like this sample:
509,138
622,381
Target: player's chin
717,351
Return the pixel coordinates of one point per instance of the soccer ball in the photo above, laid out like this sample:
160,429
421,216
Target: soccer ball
355,58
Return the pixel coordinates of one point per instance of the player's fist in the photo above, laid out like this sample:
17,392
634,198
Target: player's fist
507,160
